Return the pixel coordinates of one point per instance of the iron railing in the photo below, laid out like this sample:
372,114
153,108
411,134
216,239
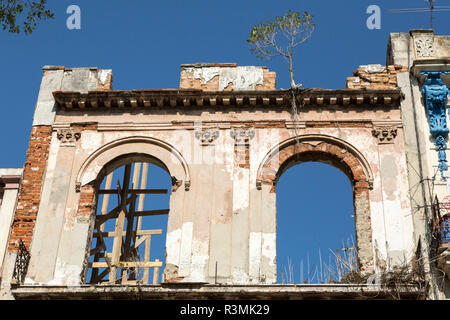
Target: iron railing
22,261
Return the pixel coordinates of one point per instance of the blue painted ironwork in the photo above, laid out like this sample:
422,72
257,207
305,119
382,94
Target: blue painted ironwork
435,93
445,229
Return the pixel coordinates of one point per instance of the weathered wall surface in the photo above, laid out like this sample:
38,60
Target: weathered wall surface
222,216
32,189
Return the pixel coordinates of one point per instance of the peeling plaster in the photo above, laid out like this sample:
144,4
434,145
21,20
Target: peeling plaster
269,248
240,190
239,276
255,253
241,78
198,268
103,75
65,274
185,248
173,246
90,141
205,74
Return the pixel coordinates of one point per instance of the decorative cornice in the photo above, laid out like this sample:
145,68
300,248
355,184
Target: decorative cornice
435,93
158,98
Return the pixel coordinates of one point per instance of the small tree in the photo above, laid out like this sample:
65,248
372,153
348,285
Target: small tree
12,10
266,43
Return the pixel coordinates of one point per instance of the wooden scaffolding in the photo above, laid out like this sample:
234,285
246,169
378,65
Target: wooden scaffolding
127,236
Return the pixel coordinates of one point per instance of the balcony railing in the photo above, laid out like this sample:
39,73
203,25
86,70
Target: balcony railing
21,264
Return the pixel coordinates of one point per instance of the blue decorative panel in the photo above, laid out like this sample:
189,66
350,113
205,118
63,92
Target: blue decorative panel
435,93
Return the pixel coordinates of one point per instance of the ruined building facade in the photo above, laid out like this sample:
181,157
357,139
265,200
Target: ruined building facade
224,137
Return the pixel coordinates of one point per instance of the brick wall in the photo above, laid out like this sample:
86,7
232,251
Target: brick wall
30,189
86,203
375,77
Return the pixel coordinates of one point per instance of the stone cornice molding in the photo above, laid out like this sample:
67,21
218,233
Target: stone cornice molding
158,98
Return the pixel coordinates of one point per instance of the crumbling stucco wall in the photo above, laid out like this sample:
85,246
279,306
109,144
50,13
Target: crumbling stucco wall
222,216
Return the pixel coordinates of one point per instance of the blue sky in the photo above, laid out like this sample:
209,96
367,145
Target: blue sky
144,42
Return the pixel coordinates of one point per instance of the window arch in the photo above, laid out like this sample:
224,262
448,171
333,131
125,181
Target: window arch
338,153
126,154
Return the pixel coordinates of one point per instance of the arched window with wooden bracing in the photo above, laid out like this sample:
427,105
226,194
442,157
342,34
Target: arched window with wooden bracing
128,239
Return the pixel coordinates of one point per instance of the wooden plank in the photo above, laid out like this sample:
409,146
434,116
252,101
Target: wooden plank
140,241
139,233
136,172
130,236
117,245
151,212
107,259
114,213
146,258
142,195
156,272
103,211
128,264
135,191
102,275
105,202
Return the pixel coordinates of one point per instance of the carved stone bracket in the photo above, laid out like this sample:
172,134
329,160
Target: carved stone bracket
435,93
207,136
242,136
384,135
424,46
68,136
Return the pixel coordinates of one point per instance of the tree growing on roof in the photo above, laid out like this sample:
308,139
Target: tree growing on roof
280,36
17,15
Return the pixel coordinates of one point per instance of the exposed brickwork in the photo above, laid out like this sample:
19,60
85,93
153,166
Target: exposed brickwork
107,85
335,124
270,170
85,126
87,201
30,189
378,77
269,82
242,155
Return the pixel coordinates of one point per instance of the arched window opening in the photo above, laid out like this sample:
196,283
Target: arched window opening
315,224
128,241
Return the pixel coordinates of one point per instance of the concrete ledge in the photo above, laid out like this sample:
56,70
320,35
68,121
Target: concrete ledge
219,292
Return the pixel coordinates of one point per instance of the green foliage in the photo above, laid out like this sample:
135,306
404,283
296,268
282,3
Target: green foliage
17,15
294,26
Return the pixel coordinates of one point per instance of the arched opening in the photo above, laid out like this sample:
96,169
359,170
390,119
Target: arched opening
128,240
328,150
315,222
